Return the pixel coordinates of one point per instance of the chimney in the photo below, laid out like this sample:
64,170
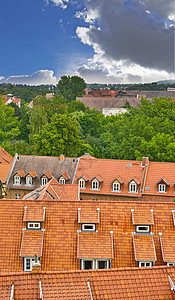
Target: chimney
145,161
36,265
62,157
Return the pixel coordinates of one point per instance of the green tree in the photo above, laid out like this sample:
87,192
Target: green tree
37,119
70,87
8,123
60,136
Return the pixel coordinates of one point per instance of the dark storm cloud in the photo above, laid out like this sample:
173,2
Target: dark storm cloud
126,31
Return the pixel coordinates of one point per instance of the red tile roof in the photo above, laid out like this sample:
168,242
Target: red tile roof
110,169
163,179
21,173
61,224
168,248
4,170
5,157
55,191
47,174
34,214
144,247
32,243
114,284
66,176
142,217
89,215
32,173
94,245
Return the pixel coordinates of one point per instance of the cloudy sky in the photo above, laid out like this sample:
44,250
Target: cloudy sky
105,41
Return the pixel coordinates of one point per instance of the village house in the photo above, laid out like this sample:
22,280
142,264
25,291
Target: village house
5,164
30,172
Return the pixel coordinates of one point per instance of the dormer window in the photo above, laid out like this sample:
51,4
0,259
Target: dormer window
142,229
88,227
95,185
29,180
17,179
116,187
82,184
62,181
133,187
162,185
44,180
33,225
143,264
162,188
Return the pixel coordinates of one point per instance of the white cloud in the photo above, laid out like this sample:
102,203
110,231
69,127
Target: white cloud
61,3
37,78
2,78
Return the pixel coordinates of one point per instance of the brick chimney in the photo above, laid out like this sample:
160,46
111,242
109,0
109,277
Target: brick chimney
62,157
145,161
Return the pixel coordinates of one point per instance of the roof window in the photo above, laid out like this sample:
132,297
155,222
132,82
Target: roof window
88,227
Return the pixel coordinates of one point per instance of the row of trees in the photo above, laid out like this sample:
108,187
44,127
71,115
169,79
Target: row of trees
55,126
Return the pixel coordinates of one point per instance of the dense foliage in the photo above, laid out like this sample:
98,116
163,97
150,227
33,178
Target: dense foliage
55,126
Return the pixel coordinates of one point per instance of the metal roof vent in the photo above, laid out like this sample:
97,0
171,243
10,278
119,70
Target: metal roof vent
147,188
128,165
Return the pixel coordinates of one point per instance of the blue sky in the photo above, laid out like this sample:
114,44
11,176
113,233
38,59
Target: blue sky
112,41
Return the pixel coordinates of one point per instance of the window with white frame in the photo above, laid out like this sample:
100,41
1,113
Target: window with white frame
116,187
28,263
88,227
170,264
17,196
44,180
62,181
17,179
162,188
143,229
145,264
95,185
82,183
33,225
87,264
133,187
29,180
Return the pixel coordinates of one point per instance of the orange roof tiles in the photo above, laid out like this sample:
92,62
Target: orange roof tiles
55,191
119,179
5,157
144,247
33,173
32,243
94,245
66,176
34,214
21,173
168,248
136,180
163,179
142,217
4,170
114,284
61,224
109,170
48,174
89,215
85,177
98,177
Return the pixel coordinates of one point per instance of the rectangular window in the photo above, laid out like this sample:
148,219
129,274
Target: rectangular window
33,225
116,187
82,184
62,181
95,185
102,264
142,229
17,196
17,180
162,188
29,180
87,264
28,264
133,187
88,227
145,264
44,180
170,264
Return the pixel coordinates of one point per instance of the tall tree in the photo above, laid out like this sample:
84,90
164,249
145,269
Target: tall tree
58,136
71,87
